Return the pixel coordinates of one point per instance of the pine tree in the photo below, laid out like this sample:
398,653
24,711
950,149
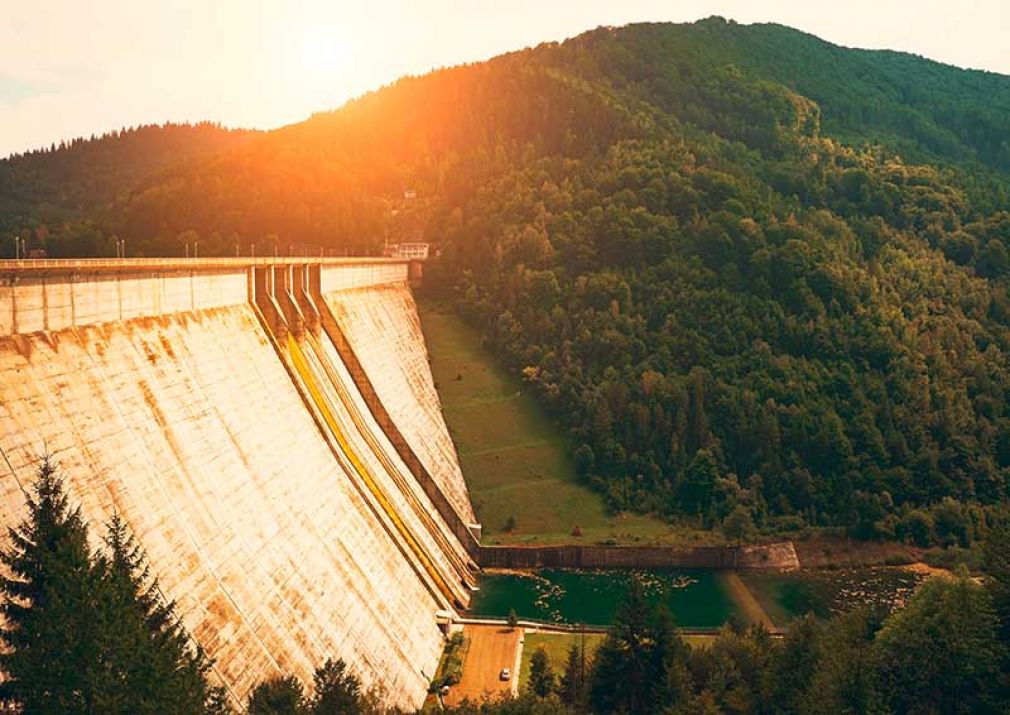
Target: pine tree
89,633
623,677
573,680
513,619
49,633
337,690
669,677
282,695
541,674
157,668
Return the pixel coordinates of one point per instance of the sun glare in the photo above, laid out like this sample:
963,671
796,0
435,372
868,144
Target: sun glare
322,54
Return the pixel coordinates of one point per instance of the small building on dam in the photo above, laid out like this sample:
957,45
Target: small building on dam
270,431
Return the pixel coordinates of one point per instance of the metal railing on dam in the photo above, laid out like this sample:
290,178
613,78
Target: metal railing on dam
290,518
102,264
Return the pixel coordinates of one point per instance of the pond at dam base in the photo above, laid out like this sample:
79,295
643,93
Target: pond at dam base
695,597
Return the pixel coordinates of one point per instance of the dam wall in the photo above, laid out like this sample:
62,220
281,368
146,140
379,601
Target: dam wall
273,506
392,353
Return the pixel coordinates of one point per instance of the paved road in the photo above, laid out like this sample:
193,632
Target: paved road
490,649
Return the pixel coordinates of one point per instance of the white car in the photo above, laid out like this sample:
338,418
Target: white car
505,674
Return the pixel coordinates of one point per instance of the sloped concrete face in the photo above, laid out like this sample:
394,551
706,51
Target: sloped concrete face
190,425
382,326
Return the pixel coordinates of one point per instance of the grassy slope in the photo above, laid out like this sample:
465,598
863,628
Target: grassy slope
514,460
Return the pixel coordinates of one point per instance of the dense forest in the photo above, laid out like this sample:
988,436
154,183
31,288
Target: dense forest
747,270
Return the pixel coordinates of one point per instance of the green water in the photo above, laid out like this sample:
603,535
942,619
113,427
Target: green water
696,598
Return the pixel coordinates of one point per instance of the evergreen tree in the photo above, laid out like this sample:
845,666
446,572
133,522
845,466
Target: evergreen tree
337,691
51,645
541,674
282,695
573,680
156,667
668,675
624,668
89,633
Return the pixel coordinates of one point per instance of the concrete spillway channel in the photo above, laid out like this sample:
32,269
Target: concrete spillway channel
328,391
290,516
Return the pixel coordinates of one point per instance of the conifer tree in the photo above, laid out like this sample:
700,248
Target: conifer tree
49,634
623,677
88,633
541,674
573,680
157,668
337,690
283,695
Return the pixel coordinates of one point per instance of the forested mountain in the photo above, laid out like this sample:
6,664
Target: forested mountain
62,197
742,266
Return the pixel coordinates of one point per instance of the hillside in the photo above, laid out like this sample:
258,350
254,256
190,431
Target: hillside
61,197
745,269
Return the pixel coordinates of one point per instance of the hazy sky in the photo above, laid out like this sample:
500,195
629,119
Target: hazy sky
70,68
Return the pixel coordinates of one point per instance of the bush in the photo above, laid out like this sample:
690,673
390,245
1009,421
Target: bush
953,557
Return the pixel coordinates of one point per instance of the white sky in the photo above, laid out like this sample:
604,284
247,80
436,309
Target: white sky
73,67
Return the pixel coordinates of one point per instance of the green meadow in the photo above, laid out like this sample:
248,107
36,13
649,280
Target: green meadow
514,459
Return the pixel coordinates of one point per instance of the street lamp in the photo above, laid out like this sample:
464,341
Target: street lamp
17,248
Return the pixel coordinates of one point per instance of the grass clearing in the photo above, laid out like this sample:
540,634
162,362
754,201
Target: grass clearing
557,646
514,459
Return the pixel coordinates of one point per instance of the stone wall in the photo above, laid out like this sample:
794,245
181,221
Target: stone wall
780,556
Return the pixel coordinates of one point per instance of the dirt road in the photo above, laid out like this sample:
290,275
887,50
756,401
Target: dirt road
490,649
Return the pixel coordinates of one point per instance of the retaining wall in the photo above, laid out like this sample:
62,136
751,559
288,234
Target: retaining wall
780,556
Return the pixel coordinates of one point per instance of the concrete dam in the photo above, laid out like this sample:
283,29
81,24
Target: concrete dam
270,432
